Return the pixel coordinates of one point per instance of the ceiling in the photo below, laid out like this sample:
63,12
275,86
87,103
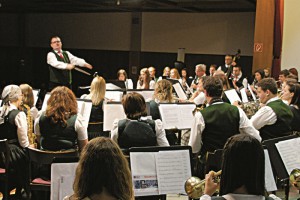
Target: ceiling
92,6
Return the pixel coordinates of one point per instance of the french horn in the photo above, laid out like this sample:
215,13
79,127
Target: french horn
194,186
295,178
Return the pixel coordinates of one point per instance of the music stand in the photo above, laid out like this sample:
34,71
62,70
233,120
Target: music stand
120,84
276,161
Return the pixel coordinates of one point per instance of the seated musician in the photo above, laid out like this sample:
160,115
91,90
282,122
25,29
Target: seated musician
274,119
213,125
145,81
122,76
137,130
61,127
97,95
237,80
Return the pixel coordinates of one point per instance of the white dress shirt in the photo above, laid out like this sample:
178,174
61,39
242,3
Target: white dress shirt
264,116
160,133
129,84
21,123
80,128
236,197
52,60
151,85
198,126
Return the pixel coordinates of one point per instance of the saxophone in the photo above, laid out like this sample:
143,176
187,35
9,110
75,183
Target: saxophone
30,134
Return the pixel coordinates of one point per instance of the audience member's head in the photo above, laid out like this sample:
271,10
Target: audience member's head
122,75
266,90
134,105
163,91
102,172
27,95
98,88
243,166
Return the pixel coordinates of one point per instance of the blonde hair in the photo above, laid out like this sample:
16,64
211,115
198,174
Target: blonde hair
98,87
27,95
177,76
163,91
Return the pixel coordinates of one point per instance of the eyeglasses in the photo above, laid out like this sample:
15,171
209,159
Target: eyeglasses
56,42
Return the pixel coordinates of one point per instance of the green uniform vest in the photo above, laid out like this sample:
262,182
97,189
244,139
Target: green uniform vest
221,122
59,75
282,126
55,137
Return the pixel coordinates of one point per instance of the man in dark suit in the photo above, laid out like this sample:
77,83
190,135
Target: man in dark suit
227,67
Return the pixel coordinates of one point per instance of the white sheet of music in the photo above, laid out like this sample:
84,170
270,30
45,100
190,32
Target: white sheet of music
62,178
85,108
144,175
47,96
290,153
179,91
252,93
0,102
35,96
147,94
110,86
114,95
173,169
177,115
110,113
270,183
232,95
244,95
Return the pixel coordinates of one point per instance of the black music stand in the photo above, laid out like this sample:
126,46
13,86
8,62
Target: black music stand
157,149
276,161
120,84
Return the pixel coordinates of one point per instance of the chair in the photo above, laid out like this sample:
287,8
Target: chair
5,173
44,158
213,161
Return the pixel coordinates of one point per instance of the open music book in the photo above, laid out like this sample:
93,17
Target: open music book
112,111
178,116
232,95
289,152
163,172
114,95
147,94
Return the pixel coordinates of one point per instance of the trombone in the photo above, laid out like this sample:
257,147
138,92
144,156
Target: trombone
194,186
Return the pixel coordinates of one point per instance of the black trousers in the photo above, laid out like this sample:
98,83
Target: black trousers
53,85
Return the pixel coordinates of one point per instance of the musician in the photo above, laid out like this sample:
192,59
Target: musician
283,75
212,69
221,75
200,70
122,76
213,125
61,63
274,119
237,80
227,67
145,81
267,73
258,75
152,72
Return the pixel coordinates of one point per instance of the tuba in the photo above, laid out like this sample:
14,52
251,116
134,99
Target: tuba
194,186
295,178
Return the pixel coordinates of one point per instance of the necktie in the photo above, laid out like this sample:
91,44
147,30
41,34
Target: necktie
60,54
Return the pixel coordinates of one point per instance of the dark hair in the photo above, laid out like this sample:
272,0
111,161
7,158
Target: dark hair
28,98
134,105
213,86
214,66
294,88
284,72
102,165
122,71
268,84
54,36
238,66
294,71
261,72
243,165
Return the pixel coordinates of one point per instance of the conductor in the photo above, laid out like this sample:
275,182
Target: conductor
61,63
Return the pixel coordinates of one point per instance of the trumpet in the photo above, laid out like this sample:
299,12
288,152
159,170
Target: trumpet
295,178
194,186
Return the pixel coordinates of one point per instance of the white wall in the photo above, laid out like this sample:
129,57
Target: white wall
291,35
202,33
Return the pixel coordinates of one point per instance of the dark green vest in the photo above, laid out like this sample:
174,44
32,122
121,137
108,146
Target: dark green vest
58,75
221,122
282,126
54,137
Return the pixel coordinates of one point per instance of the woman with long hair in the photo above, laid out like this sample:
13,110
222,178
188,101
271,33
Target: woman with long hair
97,95
145,81
61,127
122,76
102,173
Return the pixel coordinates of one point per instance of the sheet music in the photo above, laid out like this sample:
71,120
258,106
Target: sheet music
0,102
173,169
85,109
179,91
35,96
177,115
110,113
270,183
244,95
232,95
114,95
47,96
144,176
290,153
147,94
62,178
110,86
252,93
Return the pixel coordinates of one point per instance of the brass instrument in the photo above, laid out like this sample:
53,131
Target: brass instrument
250,108
295,178
31,135
194,186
